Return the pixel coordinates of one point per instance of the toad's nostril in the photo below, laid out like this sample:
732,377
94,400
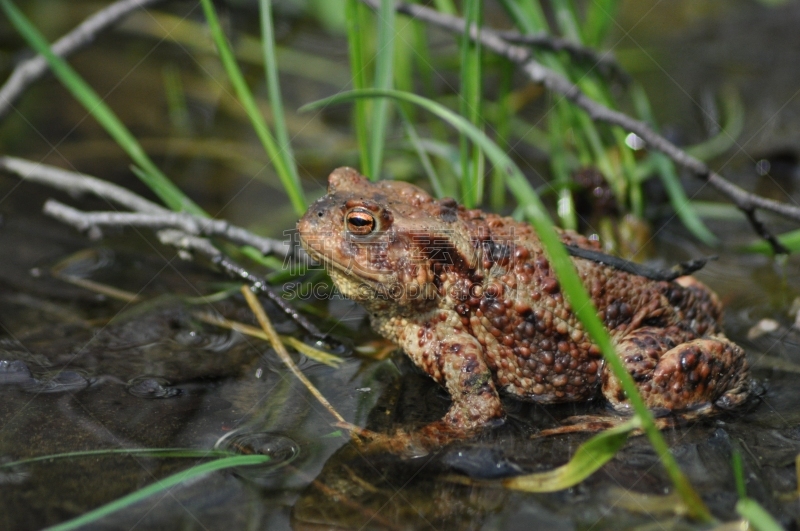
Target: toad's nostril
319,214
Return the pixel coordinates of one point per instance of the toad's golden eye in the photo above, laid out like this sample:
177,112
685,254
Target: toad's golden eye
360,222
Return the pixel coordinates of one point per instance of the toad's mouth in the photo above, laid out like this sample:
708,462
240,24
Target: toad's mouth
345,268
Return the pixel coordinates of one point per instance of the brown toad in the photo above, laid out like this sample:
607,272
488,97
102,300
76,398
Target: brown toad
471,298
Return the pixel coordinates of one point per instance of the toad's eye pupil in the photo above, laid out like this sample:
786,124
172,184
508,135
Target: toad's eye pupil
360,222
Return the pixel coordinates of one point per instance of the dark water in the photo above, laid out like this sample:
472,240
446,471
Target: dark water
83,371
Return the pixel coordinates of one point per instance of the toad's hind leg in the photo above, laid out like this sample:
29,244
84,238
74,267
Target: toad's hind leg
675,375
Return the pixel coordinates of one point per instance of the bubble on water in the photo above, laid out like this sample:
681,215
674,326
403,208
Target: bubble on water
281,450
12,475
60,382
14,372
151,387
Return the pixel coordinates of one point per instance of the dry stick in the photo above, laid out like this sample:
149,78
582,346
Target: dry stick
319,355
538,73
266,325
77,184
146,213
188,223
32,69
604,60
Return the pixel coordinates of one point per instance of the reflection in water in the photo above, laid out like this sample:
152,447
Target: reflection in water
148,387
281,450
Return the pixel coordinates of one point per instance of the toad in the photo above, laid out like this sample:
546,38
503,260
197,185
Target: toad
471,297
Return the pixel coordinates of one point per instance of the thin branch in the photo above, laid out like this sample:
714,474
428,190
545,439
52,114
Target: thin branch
604,60
761,230
678,270
32,69
78,184
196,245
557,83
188,223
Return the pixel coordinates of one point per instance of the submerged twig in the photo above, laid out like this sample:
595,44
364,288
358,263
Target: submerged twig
195,244
557,83
310,352
210,318
32,69
266,325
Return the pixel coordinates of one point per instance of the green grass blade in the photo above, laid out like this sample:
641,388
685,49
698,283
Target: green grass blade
567,20
329,13
669,176
146,452
680,203
628,168
424,159
470,106
738,474
790,240
733,111
274,88
159,486
760,519
445,6
426,76
502,127
358,69
558,166
176,100
383,81
170,194
291,183
568,277
530,19
527,15
588,458
599,18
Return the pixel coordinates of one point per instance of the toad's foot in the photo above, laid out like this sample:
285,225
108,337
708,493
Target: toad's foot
699,374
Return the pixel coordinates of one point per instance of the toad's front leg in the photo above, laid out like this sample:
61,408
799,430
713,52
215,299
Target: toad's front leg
454,358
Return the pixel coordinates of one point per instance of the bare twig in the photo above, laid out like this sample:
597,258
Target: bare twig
188,223
32,69
761,230
557,83
605,61
195,244
77,184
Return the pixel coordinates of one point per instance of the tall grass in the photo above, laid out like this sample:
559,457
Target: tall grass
284,166
170,194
